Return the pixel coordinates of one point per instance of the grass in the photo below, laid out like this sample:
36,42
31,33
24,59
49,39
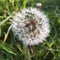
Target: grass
11,49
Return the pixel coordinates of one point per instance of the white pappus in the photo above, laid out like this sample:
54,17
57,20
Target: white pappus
31,26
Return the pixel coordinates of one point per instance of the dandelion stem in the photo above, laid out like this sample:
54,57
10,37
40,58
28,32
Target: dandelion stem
27,53
28,56
32,51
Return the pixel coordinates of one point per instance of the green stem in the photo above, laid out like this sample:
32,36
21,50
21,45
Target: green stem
28,56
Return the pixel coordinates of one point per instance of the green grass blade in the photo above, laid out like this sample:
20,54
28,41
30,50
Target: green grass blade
7,49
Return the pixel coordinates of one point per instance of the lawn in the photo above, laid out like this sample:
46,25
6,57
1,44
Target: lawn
11,48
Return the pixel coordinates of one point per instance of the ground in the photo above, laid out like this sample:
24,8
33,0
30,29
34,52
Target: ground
11,49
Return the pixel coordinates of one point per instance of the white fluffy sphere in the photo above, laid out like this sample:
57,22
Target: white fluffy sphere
31,26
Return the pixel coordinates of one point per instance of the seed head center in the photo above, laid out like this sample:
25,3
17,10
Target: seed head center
31,26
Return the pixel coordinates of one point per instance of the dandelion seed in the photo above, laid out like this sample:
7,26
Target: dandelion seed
31,25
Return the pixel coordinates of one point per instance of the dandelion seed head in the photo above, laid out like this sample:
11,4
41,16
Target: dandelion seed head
31,25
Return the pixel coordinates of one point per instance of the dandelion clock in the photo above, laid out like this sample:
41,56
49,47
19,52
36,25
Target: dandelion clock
31,26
